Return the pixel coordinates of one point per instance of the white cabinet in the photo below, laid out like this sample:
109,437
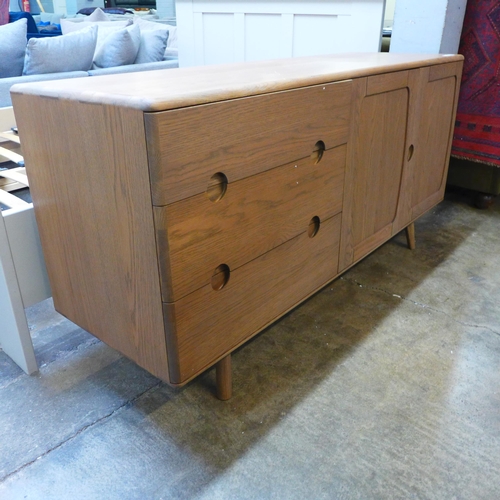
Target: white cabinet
224,31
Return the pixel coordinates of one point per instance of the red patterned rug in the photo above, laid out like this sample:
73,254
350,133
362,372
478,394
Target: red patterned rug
4,12
477,129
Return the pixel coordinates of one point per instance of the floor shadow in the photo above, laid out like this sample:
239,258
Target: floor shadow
282,367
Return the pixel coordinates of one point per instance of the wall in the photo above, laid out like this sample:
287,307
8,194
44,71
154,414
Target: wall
165,8
390,6
427,26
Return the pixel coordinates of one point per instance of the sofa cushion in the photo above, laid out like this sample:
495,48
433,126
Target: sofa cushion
98,16
12,48
7,83
70,25
71,52
151,25
104,28
119,49
134,68
171,54
152,48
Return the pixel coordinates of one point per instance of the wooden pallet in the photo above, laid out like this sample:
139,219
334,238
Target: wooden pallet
15,178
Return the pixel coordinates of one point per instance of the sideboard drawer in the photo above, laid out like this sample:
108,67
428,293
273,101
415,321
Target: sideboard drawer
251,217
241,137
205,324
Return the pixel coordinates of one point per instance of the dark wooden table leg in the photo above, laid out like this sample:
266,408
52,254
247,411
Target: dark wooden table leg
410,236
224,379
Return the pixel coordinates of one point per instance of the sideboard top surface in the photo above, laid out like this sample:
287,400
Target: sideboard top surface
162,90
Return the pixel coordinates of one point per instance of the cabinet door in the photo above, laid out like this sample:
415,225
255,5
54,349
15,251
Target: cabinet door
376,158
438,93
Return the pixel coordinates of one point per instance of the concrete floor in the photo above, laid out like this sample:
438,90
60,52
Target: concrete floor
384,385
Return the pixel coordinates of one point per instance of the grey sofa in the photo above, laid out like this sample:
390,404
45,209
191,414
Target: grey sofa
124,46
6,83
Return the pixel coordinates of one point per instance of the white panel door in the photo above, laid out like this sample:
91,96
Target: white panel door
262,37
220,31
329,33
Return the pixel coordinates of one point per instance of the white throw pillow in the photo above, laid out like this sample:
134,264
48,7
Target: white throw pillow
119,49
68,26
106,29
152,48
71,52
12,48
98,16
150,25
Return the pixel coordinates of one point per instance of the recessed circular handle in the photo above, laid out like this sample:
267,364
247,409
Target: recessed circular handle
220,277
217,187
410,152
313,228
317,154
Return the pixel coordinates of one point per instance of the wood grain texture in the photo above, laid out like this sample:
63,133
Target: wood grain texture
346,253
206,325
242,137
378,163
209,206
224,378
196,235
410,236
417,79
387,82
178,88
445,71
90,186
432,151
372,242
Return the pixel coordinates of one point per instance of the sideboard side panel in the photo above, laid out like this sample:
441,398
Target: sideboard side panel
90,186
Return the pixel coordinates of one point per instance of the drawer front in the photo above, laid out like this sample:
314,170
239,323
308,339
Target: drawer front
196,235
206,324
242,137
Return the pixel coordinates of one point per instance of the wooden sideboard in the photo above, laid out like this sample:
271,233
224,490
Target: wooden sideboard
183,211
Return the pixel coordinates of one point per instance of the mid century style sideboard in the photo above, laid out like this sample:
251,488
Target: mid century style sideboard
183,211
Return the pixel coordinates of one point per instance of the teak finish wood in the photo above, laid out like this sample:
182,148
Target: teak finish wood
378,166
91,187
426,134
198,235
206,323
224,378
180,88
183,211
387,82
436,128
241,137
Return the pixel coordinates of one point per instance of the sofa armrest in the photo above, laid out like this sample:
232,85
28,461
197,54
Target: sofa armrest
133,68
6,83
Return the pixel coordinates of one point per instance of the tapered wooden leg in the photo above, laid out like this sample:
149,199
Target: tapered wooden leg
224,378
410,236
